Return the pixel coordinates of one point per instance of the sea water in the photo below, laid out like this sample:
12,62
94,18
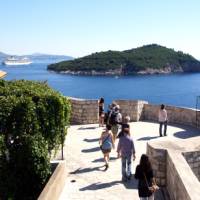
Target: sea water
171,89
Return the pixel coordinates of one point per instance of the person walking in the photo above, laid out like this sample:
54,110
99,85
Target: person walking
124,126
162,118
106,144
144,174
115,121
101,112
126,150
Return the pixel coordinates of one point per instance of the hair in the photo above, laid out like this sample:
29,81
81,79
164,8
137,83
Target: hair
101,100
145,163
126,131
108,127
127,119
162,106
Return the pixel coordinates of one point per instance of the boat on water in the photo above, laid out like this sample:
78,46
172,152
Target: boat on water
17,61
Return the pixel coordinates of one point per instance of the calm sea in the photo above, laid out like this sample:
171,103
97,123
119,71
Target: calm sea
175,89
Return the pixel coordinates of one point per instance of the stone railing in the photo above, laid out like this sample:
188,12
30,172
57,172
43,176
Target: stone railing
186,116
193,159
132,108
84,111
172,171
158,161
56,183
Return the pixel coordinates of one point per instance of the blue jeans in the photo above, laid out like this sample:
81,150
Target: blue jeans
165,128
126,166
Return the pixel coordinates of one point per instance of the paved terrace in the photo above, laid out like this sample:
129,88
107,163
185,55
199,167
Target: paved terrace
87,179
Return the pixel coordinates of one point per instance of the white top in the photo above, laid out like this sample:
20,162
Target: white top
162,115
119,117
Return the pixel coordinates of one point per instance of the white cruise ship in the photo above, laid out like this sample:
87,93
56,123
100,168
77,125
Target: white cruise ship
17,61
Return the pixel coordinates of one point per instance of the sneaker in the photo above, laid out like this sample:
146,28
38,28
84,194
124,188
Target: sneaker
106,167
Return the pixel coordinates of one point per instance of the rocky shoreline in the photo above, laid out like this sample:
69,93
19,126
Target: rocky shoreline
149,71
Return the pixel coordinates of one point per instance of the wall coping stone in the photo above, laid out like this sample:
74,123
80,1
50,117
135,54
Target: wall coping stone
181,169
56,183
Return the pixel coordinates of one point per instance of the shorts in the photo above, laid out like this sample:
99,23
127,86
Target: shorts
106,150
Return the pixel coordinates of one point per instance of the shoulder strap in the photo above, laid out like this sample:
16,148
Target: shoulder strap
105,139
146,179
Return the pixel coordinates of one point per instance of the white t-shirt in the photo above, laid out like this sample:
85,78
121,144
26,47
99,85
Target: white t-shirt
162,115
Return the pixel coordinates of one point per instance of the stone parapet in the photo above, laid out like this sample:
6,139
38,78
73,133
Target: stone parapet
132,108
193,159
186,116
158,160
84,111
171,169
55,184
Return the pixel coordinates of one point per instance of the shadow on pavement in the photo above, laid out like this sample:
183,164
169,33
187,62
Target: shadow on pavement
131,184
99,186
91,150
91,140
102,160
87,128
186,134
147,138
88,169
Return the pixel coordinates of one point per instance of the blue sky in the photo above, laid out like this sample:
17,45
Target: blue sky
81,27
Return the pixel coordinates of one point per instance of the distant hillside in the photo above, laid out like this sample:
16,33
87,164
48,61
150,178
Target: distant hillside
149,59
48,56
40,57
3,55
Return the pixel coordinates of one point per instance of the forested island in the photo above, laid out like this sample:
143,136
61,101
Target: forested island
148,59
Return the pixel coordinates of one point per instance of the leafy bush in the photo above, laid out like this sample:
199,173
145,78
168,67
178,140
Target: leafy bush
32,118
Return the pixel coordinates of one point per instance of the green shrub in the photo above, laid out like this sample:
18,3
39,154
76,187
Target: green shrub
32,118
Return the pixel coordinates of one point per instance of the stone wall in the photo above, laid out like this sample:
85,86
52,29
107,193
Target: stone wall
55,184
84,111
176,115
132,108
193,159
157,158
172,171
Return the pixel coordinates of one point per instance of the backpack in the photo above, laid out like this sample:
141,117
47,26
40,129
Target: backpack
113,118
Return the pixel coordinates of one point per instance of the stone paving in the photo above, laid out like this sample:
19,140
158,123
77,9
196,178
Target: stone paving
86,176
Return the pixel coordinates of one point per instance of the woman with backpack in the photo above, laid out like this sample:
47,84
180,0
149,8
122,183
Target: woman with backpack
106,144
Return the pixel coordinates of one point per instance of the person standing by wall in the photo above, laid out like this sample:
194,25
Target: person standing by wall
106,143
126,150
144,174
162,118
101,112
